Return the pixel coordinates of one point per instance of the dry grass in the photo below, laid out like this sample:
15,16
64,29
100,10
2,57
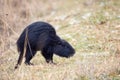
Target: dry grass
91,26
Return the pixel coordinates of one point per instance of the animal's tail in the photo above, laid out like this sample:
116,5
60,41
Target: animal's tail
22,51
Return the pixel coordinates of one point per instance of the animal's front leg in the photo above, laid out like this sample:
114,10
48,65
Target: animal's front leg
47,53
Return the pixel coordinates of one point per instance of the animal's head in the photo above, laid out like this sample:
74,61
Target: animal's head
64,49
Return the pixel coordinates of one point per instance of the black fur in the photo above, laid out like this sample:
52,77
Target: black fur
42,36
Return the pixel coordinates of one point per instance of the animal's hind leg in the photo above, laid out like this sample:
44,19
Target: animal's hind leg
19,61
29,55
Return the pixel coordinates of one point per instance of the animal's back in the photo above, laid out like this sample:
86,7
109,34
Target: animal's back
36,31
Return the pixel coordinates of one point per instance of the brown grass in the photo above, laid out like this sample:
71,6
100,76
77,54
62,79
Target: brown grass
91,26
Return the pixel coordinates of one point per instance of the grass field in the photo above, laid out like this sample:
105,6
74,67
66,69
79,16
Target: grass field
91,26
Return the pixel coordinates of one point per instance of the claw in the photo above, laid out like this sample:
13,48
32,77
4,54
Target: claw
29,63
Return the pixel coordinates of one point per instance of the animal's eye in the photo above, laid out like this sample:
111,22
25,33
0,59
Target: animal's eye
59,43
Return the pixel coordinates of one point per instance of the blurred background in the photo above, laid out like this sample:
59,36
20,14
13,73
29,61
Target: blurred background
91,26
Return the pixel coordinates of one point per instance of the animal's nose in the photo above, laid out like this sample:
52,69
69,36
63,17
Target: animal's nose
73,51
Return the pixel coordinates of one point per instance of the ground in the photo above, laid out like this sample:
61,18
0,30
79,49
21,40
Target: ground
91,26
